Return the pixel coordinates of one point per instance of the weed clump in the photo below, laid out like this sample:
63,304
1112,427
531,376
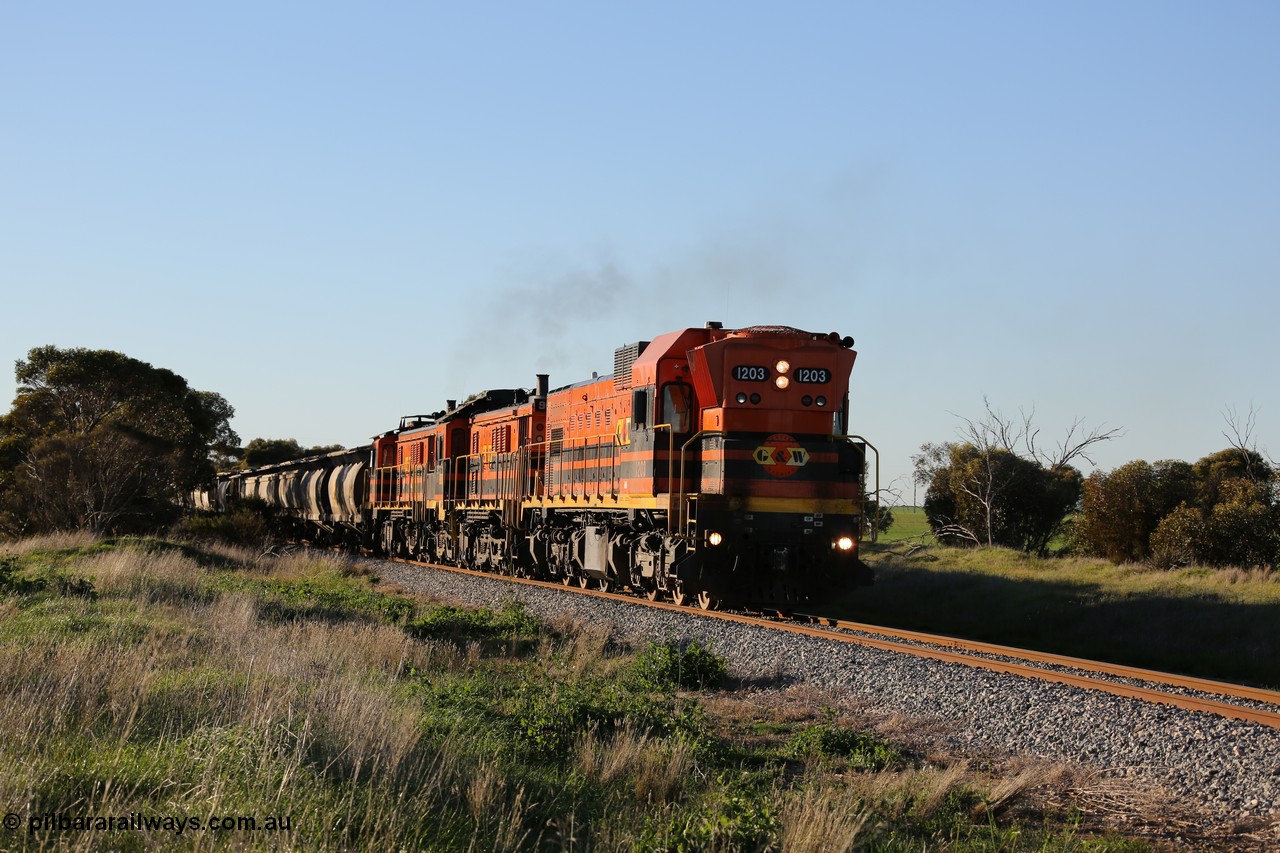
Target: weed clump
859,749
14,581
248,525
446,622
686,666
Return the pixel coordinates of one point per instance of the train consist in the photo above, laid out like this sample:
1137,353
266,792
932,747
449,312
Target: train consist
713,465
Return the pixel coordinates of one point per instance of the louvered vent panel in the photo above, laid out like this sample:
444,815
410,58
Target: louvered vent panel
623,359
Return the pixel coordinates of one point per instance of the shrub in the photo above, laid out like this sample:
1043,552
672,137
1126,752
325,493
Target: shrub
11,582
246,525
737,820
671,665
1239,530
829,741
876,518
459,623
555,715
994,497
45,578
1122,509
1177,539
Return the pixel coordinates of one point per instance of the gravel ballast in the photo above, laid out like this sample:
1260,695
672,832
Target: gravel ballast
1226,766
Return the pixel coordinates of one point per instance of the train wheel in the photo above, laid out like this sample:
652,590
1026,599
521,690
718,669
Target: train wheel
584,581
706,601
566,580
652,594
677,597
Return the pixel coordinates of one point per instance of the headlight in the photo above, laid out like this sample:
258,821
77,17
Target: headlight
782,366
714,538
782,382
845,543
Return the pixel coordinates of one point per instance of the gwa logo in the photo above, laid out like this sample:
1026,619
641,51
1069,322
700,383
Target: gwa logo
781,455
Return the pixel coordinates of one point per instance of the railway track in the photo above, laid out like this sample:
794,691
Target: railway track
1212,697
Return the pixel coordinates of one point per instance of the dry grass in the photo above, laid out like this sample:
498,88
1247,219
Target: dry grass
308,564
48,691
606,758
822,820
1212,623
146,576
580,646
509,821
1249,577
930,788
1019,782
588,650
259,711
657,767
1257,585
49,542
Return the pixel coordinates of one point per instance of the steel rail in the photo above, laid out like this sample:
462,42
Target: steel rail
1204,685
1194,703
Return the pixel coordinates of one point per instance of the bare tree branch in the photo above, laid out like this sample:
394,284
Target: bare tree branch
1239,434
957,531
1076,443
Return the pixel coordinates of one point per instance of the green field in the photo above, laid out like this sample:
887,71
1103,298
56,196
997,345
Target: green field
908,523
1212,623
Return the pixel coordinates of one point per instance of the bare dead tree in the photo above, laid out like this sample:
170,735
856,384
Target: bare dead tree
992,433
997,449
1259,466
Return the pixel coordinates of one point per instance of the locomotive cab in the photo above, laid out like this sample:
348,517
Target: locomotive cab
780,487
742,436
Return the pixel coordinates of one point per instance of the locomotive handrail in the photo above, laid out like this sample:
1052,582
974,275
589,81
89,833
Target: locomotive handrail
463,476
683,518
495,462
876,517
525,456
671,451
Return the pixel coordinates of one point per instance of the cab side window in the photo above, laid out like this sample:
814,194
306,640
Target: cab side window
677,404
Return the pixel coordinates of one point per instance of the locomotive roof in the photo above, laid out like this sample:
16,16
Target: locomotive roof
488,401
593,380
476,404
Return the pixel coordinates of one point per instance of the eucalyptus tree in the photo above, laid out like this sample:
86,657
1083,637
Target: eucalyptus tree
101,441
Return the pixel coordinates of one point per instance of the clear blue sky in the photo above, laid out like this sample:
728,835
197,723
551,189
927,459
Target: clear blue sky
336,214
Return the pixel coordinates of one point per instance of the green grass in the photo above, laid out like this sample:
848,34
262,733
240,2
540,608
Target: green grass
908,523
195,681
1213,623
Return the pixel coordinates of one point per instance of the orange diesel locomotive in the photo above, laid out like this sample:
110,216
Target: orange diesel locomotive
713,465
